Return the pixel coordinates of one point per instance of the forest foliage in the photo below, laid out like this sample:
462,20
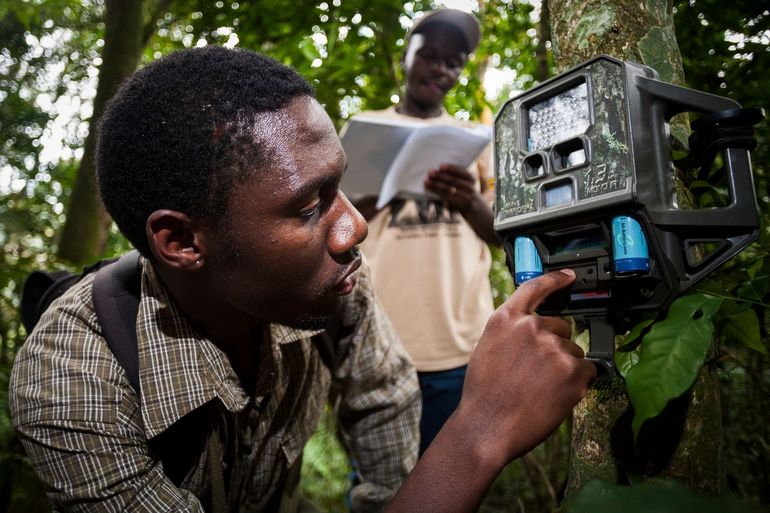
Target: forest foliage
50,53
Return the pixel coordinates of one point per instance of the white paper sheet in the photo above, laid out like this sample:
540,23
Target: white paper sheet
386,158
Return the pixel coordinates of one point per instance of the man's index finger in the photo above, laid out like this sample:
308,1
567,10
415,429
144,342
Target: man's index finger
531,293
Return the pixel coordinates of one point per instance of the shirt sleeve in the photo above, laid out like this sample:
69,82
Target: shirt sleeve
79,419
377,400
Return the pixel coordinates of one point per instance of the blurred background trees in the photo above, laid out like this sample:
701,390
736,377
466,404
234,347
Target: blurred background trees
61,59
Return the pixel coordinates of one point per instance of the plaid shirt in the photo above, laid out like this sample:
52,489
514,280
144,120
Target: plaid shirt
88,432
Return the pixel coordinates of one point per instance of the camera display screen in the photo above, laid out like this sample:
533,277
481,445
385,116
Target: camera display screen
589,239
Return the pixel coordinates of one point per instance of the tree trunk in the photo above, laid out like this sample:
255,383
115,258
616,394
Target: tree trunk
628,30
684,442
544,35
85,232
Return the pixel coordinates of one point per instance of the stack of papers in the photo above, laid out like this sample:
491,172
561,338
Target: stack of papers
391,157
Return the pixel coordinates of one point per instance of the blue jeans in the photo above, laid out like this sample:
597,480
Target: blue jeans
441,392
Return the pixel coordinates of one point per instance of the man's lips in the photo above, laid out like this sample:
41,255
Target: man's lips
434,86
345,285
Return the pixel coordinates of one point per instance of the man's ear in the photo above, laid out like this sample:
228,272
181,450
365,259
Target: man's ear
175,240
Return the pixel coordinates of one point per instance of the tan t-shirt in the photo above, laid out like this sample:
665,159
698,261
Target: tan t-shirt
431,273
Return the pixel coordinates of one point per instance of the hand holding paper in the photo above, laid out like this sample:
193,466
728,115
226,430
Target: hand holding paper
455,185
414,148
425,149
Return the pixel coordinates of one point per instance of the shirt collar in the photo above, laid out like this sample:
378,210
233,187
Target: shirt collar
180,369
281,334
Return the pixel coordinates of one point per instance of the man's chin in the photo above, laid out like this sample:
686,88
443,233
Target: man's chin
318,319
311,322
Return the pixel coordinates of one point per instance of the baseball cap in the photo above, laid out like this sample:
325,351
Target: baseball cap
465,22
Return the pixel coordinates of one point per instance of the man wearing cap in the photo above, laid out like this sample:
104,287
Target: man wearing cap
429,258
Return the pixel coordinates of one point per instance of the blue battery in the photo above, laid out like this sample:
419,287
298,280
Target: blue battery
526,261
629,246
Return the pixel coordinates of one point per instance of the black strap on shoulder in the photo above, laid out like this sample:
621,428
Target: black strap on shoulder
117,288
117,291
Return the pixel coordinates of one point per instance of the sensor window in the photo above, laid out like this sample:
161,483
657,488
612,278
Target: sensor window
558,194
570,154
558,118
534,166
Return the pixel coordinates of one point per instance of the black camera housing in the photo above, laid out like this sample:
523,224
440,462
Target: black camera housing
608,153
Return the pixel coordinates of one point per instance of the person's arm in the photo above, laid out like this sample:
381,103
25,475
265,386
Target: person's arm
79,421
93,466
457,187
524,377
376,398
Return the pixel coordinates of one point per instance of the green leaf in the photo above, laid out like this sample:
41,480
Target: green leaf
309,50
706,200
701,184
673,353
583,339
714,284
629,353
756,289
658,495
637,330
625,360
731,307
755,267
743,327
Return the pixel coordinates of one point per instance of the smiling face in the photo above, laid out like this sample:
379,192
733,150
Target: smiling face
285,251
433,62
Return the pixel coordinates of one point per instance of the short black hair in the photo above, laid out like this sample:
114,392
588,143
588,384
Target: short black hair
179,132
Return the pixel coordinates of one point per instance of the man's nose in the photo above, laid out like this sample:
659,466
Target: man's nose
439,65
349,229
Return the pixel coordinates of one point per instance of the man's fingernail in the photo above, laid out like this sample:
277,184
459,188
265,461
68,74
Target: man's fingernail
568,272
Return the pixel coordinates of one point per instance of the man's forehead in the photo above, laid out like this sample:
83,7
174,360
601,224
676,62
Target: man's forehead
296,136
441,31
438,39
318,124
303,119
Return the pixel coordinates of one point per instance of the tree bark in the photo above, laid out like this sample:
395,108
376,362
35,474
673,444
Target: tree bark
628,30
86,228
544,29
684,442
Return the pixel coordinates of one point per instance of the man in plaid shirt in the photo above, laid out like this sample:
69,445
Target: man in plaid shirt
222,169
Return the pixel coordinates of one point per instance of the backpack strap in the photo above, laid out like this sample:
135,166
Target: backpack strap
116,290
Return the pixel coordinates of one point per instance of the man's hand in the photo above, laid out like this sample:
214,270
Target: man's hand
524,377
525,374
457,187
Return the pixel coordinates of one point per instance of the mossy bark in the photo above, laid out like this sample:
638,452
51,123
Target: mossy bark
635,31
593,419
684,442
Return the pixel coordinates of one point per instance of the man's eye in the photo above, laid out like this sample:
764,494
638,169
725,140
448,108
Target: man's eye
427,54
311,211
322,202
